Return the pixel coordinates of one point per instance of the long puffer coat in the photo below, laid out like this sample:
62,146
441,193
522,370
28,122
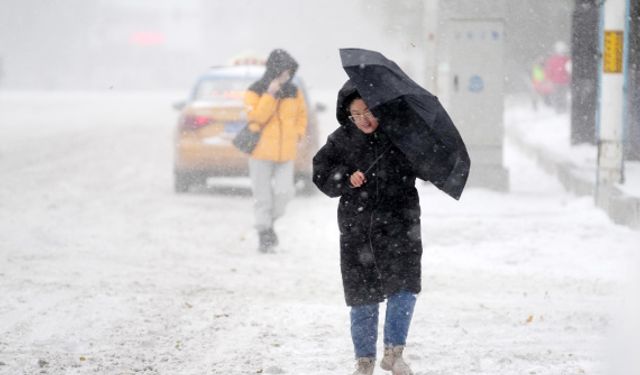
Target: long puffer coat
380,236
282,118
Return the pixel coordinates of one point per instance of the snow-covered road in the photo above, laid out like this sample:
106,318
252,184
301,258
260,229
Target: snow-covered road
104,269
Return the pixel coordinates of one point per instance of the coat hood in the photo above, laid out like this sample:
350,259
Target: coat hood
345,97
277,62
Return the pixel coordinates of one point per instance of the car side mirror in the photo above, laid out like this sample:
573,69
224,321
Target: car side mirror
320,107
178,106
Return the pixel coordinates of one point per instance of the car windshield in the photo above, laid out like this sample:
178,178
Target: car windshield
222,89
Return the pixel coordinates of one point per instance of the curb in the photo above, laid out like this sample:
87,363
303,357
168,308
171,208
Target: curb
621,208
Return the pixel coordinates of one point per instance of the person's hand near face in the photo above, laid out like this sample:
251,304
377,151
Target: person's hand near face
277,82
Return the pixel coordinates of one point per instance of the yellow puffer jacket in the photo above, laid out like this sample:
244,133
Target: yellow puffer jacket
283,123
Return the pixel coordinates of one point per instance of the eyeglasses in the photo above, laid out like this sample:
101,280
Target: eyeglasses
360,118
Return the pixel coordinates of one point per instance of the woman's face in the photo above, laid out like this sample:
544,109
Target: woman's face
362,117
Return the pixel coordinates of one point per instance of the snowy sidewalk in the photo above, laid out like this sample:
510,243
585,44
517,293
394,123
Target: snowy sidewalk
104,270
546,137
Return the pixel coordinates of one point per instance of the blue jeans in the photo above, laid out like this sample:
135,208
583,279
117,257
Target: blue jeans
364,323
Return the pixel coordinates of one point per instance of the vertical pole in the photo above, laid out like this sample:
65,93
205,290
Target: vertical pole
625,83
584,71
611,108
632,134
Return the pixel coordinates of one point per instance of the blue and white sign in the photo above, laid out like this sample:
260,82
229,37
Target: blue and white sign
476,84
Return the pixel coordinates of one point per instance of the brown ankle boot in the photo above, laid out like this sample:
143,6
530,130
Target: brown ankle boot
364,366
393,361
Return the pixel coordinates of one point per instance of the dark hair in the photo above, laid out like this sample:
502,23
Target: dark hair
350,98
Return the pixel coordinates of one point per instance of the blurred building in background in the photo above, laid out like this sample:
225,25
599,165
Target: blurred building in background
532,28
471,82
102,44
149,44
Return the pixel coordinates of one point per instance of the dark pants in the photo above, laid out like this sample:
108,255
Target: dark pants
364,323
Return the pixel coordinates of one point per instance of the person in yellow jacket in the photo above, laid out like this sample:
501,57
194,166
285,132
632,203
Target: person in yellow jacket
276,107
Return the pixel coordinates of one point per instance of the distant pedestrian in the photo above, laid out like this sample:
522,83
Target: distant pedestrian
557,71
380,236
541,87
276,108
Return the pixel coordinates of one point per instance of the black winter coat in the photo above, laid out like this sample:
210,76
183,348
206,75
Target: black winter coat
380,236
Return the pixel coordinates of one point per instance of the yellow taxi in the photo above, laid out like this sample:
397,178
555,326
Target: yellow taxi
212,116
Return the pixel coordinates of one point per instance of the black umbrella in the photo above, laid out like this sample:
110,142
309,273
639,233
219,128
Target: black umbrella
412,117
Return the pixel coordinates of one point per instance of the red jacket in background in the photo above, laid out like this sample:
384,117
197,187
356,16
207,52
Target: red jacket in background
555,69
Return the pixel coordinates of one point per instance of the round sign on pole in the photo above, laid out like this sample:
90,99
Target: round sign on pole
476,84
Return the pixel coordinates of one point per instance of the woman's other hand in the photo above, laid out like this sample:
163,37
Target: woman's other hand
357,179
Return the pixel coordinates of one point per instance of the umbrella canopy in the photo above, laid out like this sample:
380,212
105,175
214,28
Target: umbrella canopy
412,117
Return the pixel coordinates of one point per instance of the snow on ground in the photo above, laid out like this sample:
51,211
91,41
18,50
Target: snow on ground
553,131
103,269
546,127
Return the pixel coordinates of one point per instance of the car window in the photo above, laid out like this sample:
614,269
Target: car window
222,89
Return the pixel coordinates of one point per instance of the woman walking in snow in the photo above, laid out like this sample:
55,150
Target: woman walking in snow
276,108
379,221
